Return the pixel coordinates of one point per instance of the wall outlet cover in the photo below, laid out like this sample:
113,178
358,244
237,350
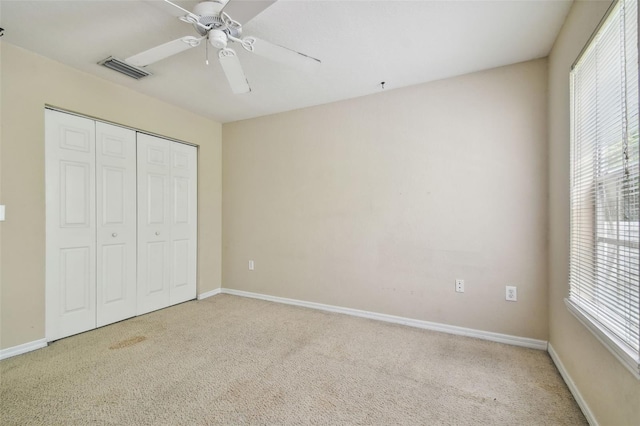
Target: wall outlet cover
511,293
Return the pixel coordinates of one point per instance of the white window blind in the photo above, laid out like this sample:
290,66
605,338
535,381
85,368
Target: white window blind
604,271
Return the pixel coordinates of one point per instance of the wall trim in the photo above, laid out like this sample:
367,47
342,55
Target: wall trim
572,387
24,348
209,293
443,328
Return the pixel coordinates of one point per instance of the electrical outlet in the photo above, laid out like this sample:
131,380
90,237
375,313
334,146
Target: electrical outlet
459,286
511,293
251,265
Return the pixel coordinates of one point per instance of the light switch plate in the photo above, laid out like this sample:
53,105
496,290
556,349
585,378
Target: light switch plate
1,213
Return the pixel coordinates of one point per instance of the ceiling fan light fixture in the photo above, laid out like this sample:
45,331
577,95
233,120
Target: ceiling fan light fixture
218,39
124,68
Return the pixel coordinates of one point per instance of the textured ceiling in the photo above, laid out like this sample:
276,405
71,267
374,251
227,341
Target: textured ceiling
360,43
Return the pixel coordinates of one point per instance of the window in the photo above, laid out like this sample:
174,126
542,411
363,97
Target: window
604,270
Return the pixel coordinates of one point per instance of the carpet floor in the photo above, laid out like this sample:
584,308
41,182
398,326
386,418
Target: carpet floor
231,360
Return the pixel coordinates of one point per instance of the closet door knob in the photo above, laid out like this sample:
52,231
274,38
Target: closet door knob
114,235
157,232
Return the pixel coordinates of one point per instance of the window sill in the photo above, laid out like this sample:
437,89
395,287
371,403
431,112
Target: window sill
625,356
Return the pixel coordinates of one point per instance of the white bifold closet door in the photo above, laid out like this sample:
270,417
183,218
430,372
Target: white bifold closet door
91,224
116,223
167,223
121,219
71,224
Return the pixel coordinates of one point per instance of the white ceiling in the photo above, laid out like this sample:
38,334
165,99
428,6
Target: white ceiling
360,43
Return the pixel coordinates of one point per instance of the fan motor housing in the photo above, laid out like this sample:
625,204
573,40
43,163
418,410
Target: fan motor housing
208,15
208,8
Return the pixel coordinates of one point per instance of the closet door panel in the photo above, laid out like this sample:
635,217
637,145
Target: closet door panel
114,277
70,221
116,219
154,224
75,270
184,172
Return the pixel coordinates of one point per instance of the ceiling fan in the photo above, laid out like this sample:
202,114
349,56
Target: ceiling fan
218,29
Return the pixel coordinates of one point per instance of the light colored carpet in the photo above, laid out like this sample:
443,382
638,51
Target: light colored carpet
232,360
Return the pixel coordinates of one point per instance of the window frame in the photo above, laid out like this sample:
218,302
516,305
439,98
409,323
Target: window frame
586,315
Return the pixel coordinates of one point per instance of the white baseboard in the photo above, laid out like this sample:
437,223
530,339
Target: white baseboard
444,328
24,348
209,293
572,387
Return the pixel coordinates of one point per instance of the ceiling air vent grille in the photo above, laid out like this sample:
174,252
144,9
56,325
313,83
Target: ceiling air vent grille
124,68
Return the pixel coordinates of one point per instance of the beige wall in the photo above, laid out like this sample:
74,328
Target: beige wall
610,391
28,82
379,203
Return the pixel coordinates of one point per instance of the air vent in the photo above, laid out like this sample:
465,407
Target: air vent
124,68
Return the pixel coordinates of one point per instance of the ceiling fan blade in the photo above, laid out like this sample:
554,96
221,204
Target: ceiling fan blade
169,7
224,4
183,10
233,70
180,12
163,51
281,54
245,10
